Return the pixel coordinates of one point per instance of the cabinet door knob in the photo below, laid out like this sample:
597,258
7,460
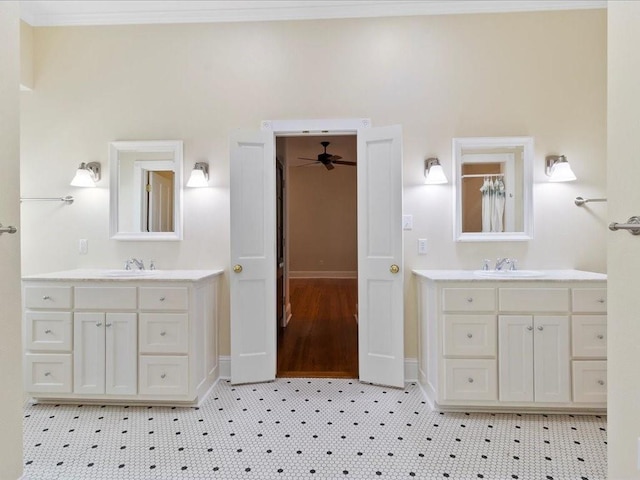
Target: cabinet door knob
237,268
47,374
529,328
47,330
107,324
470,380
600,382
601,300
469,335
600,337
394,268
162,299
163,375
99,324
470,299
540,328
163,333
46,297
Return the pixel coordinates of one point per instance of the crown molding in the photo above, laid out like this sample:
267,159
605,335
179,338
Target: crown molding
67,13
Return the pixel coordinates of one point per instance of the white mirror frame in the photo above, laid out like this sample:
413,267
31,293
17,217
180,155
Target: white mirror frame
174,147
479,143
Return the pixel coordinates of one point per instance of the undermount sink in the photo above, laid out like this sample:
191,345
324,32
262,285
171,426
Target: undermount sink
127,273
509,273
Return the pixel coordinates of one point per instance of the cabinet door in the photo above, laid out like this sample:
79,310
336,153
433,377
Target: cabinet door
88,352
515,339
121,355
551,358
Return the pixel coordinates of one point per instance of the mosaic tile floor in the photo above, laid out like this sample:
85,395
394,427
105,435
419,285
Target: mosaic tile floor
308,428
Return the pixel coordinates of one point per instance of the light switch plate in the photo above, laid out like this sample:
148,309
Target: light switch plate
422,246
407,222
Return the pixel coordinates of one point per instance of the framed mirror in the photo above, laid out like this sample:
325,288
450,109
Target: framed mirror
146,190
493,188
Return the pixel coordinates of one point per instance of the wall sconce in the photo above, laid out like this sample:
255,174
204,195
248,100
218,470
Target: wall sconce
558,169
87,175
433,172
199,175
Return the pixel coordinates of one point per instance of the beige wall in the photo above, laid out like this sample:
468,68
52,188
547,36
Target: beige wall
11,396
535,74
623,172
322,208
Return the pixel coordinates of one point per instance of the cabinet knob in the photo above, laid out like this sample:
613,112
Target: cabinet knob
394,268
529,328
163,375
162,299
47,330
601,300
600,382
470,299
46,297
600,337
470,380
469,335
99,324
237,268
163,333
47,374
540,328
107,324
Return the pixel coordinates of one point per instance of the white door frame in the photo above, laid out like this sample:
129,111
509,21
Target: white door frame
290,128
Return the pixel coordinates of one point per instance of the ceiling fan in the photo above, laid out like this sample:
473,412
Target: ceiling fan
328,160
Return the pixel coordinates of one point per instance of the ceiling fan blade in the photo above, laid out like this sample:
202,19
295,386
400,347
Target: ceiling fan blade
311,159
311,164
329,166
344,162
335,157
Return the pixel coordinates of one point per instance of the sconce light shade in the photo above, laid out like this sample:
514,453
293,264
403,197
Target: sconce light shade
199,175
87,175
558,169
433,172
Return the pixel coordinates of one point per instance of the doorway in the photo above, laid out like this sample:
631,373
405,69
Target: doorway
318,333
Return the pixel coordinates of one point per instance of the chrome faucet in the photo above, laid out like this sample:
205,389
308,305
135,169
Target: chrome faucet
501,262
137,263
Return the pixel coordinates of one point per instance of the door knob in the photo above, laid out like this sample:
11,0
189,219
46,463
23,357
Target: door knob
237,268
394,268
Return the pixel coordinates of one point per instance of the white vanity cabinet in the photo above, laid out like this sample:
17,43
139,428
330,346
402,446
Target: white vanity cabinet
519,343
151,339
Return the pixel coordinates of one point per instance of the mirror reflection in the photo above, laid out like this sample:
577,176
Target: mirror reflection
493,188
146,190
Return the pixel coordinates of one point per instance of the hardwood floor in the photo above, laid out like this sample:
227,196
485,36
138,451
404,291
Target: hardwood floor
321,339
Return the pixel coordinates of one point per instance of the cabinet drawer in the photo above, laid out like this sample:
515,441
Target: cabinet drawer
47,373
590,381
529,300
470,380
589,300
163,298
589,336
470,335
163,375
48,331
469,299
163,333
106,298
49,297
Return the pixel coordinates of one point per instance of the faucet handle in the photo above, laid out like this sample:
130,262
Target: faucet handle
485,264
127,264
513,265
152,265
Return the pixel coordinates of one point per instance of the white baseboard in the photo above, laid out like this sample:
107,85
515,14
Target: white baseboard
410,368
323,274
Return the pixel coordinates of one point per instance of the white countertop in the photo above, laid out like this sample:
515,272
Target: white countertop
549,275
111,275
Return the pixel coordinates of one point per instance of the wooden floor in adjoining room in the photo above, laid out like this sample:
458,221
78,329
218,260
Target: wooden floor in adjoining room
321,339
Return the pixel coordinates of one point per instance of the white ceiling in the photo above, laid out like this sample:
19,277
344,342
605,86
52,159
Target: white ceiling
59,13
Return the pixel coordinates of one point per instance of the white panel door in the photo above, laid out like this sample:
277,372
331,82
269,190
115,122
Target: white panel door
380,256
515,345
121,354
253,257
88,352
551,358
